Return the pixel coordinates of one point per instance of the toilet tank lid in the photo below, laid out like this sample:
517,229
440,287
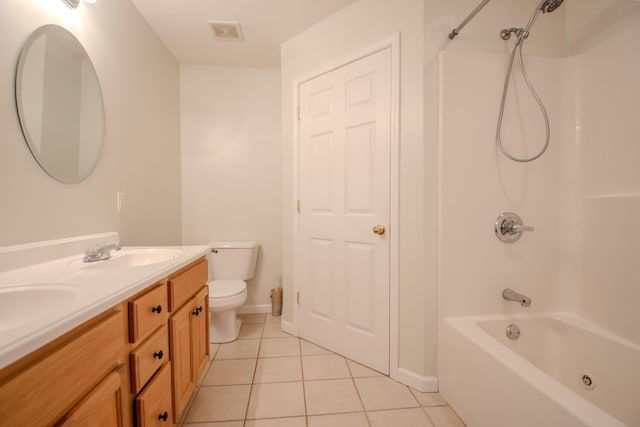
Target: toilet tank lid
234,245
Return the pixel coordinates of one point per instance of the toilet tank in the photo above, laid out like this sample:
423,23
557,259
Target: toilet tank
232,260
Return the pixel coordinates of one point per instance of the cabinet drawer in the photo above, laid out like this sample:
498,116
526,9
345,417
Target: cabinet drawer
148,358
147,312
186,283
153,405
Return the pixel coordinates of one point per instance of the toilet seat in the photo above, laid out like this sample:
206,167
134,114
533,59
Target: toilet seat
226,288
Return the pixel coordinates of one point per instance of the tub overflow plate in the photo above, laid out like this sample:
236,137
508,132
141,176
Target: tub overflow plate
513,332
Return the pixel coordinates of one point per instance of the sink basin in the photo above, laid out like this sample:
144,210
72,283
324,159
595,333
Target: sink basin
131,258
24,304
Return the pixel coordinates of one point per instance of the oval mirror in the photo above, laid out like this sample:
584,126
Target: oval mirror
59,104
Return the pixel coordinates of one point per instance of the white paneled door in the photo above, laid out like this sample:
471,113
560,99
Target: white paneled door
344,176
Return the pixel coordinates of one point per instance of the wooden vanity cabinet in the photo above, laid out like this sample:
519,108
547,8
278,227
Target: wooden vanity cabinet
188,331
102,407
153,406
149,357
169,332
148,312
78,379
134,364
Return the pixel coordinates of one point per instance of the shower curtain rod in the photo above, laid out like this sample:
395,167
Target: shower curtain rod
456,30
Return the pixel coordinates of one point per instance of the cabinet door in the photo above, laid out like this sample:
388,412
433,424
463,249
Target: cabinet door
200,332
101,408
182,369
43,391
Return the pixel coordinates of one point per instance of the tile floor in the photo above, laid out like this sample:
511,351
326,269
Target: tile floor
268,378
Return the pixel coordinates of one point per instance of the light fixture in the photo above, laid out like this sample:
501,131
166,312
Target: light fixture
74,3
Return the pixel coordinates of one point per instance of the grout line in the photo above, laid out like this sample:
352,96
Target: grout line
304,388
304,383
364,408
253,379
415,397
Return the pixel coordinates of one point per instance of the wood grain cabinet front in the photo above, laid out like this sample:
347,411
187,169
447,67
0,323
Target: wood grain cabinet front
102,407
153,406
184,284
77,377
127,366
147,312
148,358
189,342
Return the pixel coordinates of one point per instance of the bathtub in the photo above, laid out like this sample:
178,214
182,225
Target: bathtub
561,372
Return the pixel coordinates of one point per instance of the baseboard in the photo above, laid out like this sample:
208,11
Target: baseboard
254,309
425,384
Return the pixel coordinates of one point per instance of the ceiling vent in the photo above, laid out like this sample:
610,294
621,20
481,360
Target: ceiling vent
227,30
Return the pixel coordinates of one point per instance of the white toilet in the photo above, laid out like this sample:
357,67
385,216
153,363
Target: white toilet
230,264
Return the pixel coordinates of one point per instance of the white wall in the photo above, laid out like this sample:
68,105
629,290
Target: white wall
139,80
604,39
231,164
350,30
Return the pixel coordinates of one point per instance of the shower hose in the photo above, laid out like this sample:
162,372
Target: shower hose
518,48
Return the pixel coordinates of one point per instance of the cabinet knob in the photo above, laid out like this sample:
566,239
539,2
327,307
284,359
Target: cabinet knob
157,309
159,355
163,416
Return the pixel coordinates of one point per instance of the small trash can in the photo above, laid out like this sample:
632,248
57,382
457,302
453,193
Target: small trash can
276,301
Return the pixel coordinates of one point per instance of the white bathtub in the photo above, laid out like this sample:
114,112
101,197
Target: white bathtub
536,380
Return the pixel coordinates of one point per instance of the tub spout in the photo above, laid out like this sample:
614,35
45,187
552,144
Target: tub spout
511,295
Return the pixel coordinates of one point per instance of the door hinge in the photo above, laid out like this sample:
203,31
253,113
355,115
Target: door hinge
298,113
298,298
298,205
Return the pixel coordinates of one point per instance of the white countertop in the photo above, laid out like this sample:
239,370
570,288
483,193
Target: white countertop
64,293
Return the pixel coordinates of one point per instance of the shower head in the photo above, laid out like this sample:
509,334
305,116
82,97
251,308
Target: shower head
550,5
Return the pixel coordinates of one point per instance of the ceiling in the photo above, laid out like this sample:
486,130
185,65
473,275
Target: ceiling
182,26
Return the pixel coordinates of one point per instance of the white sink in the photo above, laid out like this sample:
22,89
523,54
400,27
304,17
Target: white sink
27,303
131,258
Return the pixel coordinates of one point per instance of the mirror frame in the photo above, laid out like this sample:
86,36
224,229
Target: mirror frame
31,142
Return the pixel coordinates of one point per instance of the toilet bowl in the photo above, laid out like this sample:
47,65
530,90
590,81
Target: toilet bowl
224,297
230,264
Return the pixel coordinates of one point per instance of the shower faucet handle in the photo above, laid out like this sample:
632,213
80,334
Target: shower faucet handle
509,227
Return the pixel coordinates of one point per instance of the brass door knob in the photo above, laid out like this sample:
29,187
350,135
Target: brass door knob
379,229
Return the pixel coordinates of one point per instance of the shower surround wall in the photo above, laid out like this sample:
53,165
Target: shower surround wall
477,183
583,195
605,68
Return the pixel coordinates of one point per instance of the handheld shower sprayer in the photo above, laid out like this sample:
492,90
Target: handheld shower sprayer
522,33
550,5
